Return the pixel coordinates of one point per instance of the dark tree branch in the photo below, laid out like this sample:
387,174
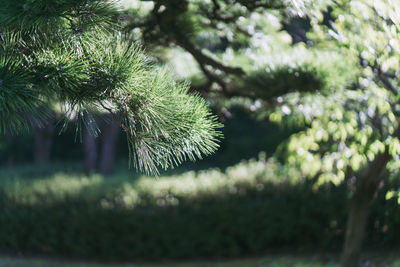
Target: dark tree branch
203,59
162,27
382,76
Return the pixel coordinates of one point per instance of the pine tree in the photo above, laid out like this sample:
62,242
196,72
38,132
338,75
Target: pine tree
204,28
70,55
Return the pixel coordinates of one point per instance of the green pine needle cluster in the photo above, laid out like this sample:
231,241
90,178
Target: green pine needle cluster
70,53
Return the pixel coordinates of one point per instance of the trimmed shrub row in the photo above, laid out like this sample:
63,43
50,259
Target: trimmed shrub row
246,210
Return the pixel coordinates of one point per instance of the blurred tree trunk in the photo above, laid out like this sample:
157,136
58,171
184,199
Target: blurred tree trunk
109,137
364,193
110,134
11,155
355,230
44,134
90,143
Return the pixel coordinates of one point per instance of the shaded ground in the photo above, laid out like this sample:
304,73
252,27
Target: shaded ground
387,260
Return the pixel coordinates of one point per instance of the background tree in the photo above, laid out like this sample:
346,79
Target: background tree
100,150
70,54
343,90
354,133
223,38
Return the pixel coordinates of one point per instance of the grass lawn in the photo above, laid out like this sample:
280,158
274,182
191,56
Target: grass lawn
262,261
267,261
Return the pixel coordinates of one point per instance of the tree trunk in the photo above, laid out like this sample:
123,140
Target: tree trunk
110,136
44,133
11,154
364,193
90,144
355,230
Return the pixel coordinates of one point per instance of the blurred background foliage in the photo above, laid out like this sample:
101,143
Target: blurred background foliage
310,106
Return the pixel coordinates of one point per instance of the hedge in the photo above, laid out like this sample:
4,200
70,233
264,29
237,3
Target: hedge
250,209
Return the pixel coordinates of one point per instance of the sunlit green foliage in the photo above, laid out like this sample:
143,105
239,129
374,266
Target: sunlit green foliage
296,70
348,127
61,186
70,53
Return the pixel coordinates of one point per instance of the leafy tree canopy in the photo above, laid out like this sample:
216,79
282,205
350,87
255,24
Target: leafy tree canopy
350,127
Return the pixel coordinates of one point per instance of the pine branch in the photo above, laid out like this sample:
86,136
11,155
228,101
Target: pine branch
53,51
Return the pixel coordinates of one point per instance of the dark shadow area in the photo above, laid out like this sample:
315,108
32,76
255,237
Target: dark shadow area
244,138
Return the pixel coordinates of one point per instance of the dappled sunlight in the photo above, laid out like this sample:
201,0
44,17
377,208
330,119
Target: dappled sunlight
130,129
247,174
124,192
57,188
